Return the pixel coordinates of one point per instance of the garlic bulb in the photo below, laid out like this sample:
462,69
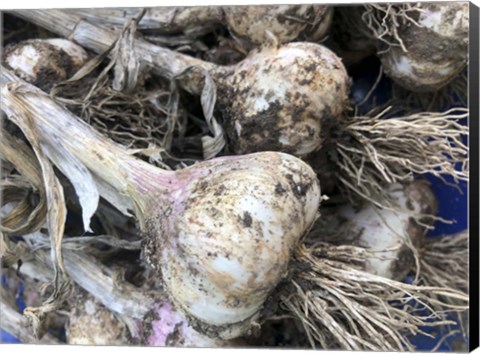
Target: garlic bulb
228,239
283,99
44,62
392,234
292,93
435,53
221,231
285,22
90,323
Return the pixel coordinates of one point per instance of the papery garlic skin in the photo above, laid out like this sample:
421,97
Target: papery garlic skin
284,99
230,237
388,232
284,22
436,53
44,62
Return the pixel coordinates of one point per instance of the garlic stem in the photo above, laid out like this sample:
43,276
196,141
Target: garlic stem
166,63
15,324
88,145
159,20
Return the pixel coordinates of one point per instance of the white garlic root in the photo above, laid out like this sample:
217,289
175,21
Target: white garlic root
444,261
395,245
262,110
250,23
221,232
44,62
423,46
352,262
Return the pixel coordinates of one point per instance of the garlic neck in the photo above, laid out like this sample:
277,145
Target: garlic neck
107,160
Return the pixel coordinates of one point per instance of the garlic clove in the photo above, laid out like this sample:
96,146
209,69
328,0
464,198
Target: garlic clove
436,53
44,62
284,99
230,239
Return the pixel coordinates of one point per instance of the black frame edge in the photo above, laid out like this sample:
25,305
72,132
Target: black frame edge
474,176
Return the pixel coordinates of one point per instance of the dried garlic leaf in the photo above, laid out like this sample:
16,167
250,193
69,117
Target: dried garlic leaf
79,177
71,167
57,211
211,145
23,217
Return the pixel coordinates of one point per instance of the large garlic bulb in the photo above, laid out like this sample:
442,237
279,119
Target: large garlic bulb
226,241
283,99
221,232
435,53
44,62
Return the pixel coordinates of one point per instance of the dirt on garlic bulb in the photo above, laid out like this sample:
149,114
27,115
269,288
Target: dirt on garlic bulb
90,323
434,53
44,62
227,245
255,25
283,98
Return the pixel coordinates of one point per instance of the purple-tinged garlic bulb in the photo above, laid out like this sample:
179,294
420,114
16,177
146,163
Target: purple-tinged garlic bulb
44,62
393,235
286,23
434,51
283,99
227,243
